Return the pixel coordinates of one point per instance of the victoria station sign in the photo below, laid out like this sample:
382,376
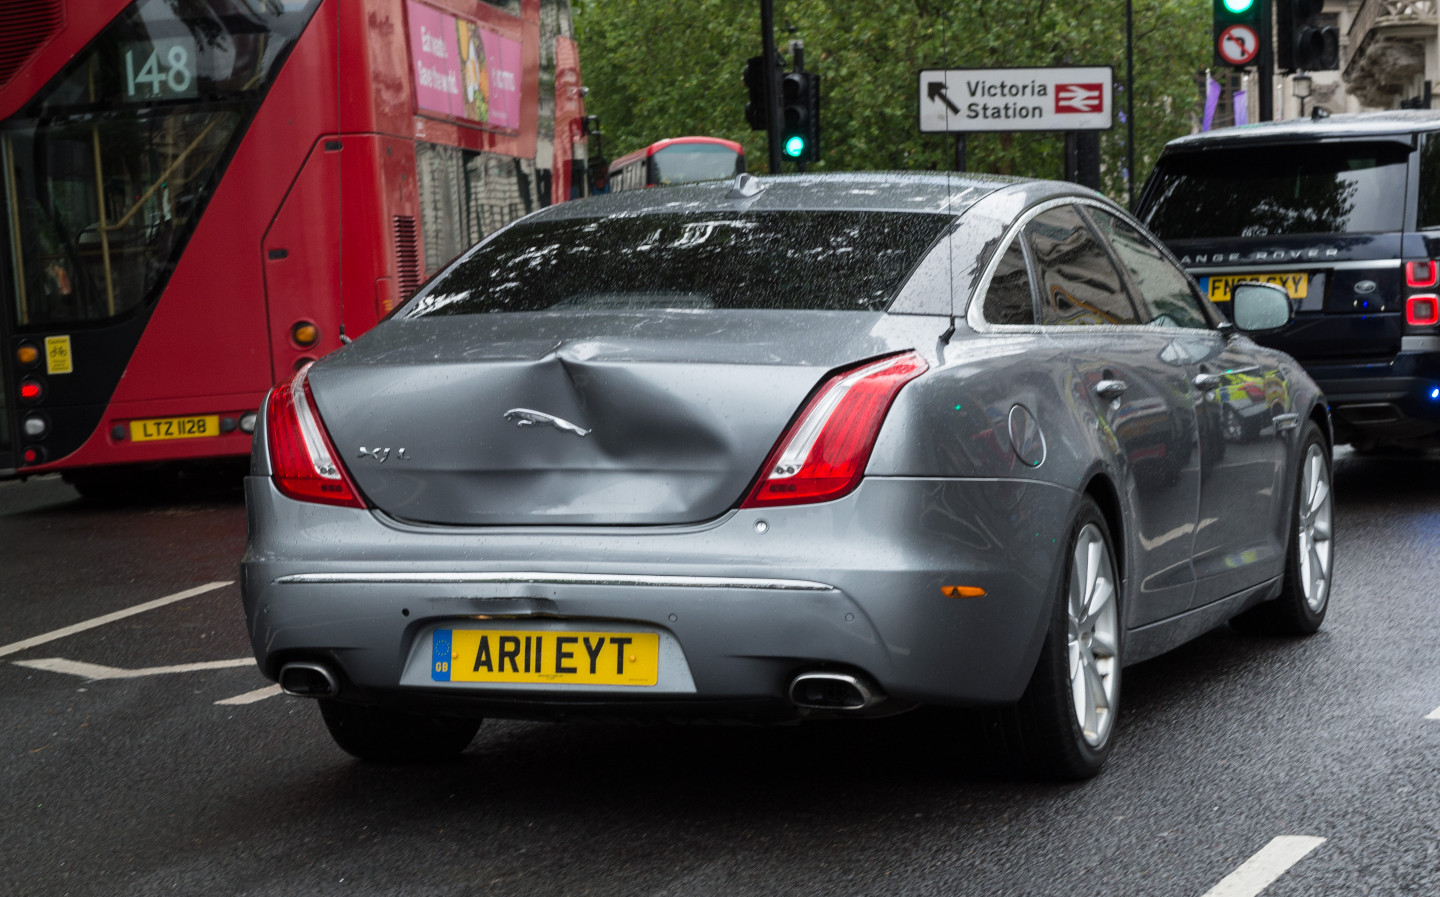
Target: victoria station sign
1018,99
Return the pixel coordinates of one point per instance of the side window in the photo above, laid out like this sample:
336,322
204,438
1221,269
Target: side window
1009,298
1429,191
1164,289
1078,283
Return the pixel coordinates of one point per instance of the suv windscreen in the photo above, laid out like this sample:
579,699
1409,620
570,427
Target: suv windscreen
840,261
1257,191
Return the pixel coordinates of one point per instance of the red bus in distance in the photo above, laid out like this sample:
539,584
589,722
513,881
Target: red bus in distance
678,160
199,196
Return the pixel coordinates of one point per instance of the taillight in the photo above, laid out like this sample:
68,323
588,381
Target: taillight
1421,274
823,454
303,463
1422,310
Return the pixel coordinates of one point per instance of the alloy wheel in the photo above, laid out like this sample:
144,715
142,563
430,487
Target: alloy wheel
1313,530
1094,642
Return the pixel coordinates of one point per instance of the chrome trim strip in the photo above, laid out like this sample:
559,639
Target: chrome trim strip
1241,266
585,579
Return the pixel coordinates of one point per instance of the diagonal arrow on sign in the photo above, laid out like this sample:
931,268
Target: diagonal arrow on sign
936,89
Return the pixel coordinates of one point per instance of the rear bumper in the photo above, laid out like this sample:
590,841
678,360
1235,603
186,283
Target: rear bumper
1385,400
853,585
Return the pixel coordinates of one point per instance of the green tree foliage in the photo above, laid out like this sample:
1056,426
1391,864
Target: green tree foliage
661,68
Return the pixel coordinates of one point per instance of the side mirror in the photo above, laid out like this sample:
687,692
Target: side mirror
1261,306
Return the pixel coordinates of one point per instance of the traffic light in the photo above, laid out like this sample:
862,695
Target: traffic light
757,80
800,106
1237,31
1302,42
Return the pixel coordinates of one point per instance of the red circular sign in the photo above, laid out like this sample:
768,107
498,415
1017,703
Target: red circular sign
1238,44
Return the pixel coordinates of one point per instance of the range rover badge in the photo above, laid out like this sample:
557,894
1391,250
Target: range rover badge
524,417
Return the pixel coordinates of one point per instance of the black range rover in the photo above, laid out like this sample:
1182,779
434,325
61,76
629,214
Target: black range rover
1344,212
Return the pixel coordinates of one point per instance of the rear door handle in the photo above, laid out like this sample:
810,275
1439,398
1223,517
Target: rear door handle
1207,382
1110,389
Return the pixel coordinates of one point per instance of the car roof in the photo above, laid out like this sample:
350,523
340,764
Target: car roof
1389,123
919,192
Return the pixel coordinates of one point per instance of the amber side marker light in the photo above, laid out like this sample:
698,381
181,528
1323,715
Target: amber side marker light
962,591
305,334
27,354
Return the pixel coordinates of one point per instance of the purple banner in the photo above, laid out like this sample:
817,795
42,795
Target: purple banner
1212,101
464,70
1242,108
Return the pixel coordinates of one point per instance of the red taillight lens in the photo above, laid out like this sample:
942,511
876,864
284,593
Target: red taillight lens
302,460
1422,310
823,454
1421,274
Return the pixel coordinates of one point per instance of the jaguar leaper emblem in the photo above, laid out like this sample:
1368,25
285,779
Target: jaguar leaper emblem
525,417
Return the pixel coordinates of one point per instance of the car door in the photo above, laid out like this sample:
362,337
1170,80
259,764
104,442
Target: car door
1141,399
1236,396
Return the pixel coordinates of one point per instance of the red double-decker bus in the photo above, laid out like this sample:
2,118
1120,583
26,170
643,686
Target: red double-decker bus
199,196
677,160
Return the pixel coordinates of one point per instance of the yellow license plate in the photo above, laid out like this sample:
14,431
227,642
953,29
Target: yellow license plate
552,658
175,428
1221,287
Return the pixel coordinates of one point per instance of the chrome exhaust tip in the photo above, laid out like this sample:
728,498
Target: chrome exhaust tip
308,680
833,691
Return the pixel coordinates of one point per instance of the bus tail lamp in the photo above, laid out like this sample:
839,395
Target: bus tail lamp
33,455
35,425
305,334
823,454
31,391
303,463
28,354
1422,274
1422,309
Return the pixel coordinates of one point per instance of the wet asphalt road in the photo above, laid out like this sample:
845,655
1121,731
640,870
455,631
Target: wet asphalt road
115,783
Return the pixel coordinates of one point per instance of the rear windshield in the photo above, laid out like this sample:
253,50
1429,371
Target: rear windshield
1345,188
683,162
844,261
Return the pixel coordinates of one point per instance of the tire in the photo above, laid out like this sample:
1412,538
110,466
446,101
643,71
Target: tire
1064,724
1310,558
382,735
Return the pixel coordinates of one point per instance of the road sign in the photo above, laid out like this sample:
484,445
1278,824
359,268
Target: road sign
1028,99
1238,44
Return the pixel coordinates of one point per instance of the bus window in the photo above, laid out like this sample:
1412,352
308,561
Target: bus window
684,162
107,171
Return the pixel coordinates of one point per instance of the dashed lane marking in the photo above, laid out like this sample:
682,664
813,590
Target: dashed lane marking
250,697
94,671
16,647
1264,867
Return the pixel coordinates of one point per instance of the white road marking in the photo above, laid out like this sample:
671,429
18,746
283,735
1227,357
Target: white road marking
1434,714
95,671
110,618
250,697
1256,874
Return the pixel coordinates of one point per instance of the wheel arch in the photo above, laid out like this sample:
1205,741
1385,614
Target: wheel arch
1102,490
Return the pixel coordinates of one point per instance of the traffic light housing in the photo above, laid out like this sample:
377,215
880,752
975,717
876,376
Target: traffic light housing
1240,15
1302,41
800,108
757,81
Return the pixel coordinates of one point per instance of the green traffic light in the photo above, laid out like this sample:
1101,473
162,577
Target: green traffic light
795,147
1238,6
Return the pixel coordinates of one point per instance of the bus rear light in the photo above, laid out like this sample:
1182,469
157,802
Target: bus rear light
823,455
33,455
303,463
35,425
28,354
1422,310
305,334
31,390
1421,274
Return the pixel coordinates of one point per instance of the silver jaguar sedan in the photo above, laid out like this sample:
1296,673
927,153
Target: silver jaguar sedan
783,448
